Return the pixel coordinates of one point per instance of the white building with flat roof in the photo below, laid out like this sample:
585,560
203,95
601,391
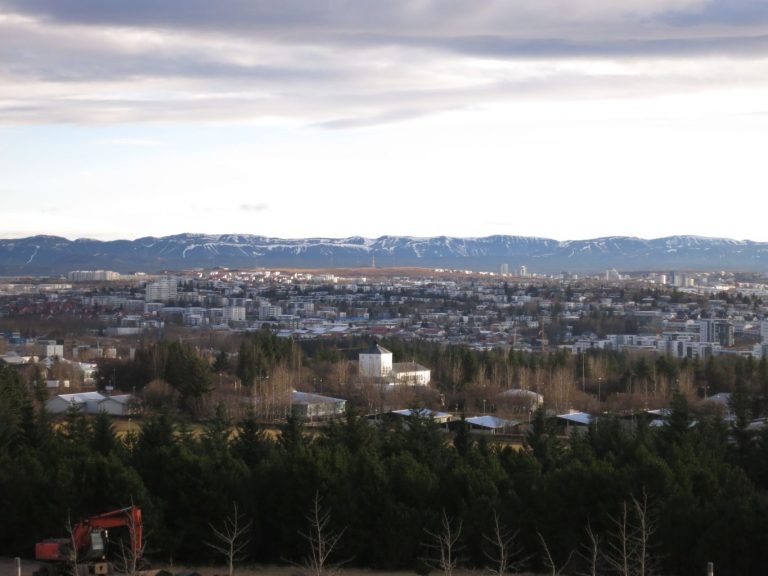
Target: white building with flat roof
162,290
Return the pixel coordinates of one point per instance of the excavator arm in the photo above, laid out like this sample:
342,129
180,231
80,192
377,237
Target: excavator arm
125,517
86,537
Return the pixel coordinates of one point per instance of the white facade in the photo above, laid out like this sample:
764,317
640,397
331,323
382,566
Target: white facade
411,374
92,275
91,403
375,362
267,311
162,290
233,313
310,406
117,405
50,348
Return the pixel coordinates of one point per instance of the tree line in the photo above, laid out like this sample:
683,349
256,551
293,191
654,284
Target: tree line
266,365
392,488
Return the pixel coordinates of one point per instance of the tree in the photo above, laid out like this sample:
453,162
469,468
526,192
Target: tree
549,561
232,540
591,552
221,364
628,550
506,556
131,560
188,374
444,543
322,540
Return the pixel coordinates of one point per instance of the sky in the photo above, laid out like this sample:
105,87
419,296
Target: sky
564,119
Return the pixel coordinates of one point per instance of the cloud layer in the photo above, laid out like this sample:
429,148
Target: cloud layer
342,63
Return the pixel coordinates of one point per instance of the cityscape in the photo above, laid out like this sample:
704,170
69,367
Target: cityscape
433,287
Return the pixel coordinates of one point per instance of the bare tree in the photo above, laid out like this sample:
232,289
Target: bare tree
321,539
591,552
445,545
232,539
506,556
131,560
549,561
629,549
73,565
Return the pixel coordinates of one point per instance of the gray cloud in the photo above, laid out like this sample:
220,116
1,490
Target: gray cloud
346,64
522,28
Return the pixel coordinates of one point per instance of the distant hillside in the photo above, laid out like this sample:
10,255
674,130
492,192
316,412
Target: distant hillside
40,255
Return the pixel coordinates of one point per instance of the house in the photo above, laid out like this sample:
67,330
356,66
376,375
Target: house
437,417
573,422
410,373
15,359
491,424
376,364
92,403
120,405
308,406
86,402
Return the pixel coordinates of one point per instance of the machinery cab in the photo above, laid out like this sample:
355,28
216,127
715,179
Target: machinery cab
97,547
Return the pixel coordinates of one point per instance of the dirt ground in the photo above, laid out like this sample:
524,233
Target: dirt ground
8,568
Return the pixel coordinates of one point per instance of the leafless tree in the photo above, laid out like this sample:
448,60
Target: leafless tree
445,546
591,552
322,540
73,565
506,556
549,561
231,540
131,560
629,548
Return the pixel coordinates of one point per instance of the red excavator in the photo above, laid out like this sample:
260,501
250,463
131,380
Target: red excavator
86,548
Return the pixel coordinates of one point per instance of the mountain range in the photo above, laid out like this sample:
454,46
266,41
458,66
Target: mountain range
46,255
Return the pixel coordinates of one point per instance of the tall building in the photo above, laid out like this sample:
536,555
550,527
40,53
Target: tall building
268,311
716,331
162,290
233,313
504,269
92,275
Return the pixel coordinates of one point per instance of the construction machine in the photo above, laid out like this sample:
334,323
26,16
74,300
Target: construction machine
84,552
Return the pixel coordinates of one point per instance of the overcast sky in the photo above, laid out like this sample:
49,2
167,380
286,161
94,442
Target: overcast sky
566,119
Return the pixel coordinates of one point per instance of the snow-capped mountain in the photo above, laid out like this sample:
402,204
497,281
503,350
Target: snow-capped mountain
40,255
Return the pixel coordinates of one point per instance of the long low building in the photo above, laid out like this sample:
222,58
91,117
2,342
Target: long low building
491,424
92,403
310,406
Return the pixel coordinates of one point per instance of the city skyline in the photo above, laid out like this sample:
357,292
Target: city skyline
564,120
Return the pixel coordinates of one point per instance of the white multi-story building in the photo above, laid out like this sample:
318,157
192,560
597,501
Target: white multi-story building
376,362
233,313
162,290
716,331
267,311
92,275
50,348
